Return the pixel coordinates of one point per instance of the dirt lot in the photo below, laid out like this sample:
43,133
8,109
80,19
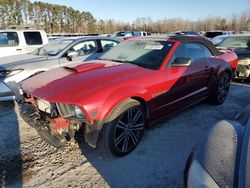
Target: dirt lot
158,161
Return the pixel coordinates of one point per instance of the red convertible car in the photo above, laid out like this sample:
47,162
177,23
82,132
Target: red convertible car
136,83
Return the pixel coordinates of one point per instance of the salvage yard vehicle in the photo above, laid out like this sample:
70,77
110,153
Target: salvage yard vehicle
144,33
16,42
188,33
58,53
124,35
213,33
222,158
218,39
240,43
138,82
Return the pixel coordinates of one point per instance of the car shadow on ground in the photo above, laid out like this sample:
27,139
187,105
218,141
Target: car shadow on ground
10,147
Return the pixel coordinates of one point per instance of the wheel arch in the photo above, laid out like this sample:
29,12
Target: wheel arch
116,97
92,133
144,104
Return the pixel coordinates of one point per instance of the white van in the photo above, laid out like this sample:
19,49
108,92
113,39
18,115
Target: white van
14,42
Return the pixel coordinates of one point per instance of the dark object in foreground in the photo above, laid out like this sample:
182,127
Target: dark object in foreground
222,159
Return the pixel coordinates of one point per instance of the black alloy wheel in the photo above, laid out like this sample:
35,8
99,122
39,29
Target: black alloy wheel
129,129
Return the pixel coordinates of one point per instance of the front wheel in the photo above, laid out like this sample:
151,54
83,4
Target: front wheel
221,89
124,129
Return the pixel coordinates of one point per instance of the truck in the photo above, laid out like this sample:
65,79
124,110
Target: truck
18,41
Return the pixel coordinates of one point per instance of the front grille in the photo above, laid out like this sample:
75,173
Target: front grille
65,110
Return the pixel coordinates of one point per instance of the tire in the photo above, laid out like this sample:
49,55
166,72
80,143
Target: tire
221,89
123,129
50,139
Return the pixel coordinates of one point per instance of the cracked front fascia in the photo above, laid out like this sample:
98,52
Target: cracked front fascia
92,131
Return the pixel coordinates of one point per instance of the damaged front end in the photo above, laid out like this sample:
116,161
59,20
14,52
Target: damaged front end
243,68
57,123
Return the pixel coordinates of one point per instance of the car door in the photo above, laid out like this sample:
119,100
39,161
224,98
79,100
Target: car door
186,83
197,75
85,51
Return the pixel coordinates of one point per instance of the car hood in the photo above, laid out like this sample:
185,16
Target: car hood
73,84
20,61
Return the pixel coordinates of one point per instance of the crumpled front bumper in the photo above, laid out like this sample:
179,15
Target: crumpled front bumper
32,116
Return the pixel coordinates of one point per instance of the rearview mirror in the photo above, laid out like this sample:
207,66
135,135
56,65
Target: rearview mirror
181,62
71,55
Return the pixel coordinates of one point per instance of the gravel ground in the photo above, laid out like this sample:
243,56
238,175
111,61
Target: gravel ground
158,161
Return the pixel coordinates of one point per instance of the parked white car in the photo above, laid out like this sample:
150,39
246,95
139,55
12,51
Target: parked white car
15,42
61,52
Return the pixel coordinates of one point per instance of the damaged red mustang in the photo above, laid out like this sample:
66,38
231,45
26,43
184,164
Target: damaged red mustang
134,84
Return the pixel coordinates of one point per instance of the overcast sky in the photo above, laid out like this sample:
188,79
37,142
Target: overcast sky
128,11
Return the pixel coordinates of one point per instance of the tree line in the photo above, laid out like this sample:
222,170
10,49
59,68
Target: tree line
62,19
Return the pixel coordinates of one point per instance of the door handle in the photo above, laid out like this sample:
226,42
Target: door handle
18,49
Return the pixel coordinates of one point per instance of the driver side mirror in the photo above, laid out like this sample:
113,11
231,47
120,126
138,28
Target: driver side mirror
71,55
181,62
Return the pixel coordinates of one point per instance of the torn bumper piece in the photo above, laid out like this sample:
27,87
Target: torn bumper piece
35,119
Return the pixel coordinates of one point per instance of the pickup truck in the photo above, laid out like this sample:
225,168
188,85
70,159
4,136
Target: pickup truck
137,82
15,42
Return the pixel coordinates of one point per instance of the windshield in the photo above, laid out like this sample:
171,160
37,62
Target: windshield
53,48
148,54
236,42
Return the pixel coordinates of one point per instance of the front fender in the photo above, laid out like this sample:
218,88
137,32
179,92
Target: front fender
119,95
92,130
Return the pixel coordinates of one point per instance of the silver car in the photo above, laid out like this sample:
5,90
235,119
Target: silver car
58,53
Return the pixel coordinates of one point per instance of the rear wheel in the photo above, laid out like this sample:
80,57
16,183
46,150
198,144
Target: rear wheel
219,95
124,129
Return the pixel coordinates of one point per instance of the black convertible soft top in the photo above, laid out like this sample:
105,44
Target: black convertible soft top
185,39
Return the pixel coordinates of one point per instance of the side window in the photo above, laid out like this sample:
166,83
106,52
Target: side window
107,44
33,38
194,51
8,39
208,53
180,52
84,48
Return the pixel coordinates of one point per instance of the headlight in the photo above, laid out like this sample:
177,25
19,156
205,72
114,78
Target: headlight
5,73
198,177
69,111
